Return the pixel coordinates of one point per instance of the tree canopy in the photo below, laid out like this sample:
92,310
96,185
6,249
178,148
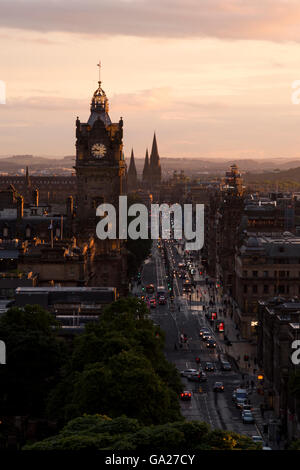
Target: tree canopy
96,432
118,367
34,358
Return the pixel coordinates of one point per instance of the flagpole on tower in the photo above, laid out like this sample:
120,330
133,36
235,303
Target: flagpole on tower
99,65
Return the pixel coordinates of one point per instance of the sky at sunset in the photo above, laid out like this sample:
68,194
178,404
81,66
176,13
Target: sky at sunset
213,78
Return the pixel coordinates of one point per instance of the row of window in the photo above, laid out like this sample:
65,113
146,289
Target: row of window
266,274
41,182
267,289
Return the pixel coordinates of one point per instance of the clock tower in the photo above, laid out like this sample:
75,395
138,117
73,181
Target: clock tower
100,166
101,177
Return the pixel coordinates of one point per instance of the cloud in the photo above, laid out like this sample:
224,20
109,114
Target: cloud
275,20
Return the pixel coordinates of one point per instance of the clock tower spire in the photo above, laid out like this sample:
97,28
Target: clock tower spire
100,166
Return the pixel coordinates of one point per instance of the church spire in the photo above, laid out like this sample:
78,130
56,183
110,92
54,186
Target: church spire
27,177
154,157
132,173
155,167
146,169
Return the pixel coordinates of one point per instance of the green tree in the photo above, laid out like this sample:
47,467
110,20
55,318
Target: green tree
34,358
118,367
98,432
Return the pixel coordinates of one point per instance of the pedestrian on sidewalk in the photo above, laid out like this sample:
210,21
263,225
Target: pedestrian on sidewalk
262,410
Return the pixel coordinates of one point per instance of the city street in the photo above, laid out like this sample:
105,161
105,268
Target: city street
185,316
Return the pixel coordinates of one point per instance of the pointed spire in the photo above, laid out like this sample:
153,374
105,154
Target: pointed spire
154,158
155,167
146,167
27,177
132,168
132,174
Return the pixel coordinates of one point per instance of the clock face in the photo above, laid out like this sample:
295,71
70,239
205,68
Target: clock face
98,150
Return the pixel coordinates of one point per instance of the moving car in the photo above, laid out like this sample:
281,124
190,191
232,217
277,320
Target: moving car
240,402
239,393
162,300
209,367
150,289
198,376
161,291
187,372
247,407
186,395
218,387
225,365
210,343
247,417
206,335
204,330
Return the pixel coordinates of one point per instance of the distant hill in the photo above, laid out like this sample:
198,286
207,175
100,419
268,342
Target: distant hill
293,174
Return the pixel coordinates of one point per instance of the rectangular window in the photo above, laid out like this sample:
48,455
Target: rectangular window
266,273
254,273
254,289
245,288
266,289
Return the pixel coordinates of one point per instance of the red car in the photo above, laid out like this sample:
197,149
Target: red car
186,395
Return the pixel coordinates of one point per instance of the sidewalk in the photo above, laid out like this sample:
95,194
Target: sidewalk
249,370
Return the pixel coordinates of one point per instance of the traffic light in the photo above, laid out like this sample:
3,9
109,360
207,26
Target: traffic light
221,327
214,315
246,357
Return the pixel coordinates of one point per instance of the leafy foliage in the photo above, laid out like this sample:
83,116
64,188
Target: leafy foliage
118,367
96,432
34,358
